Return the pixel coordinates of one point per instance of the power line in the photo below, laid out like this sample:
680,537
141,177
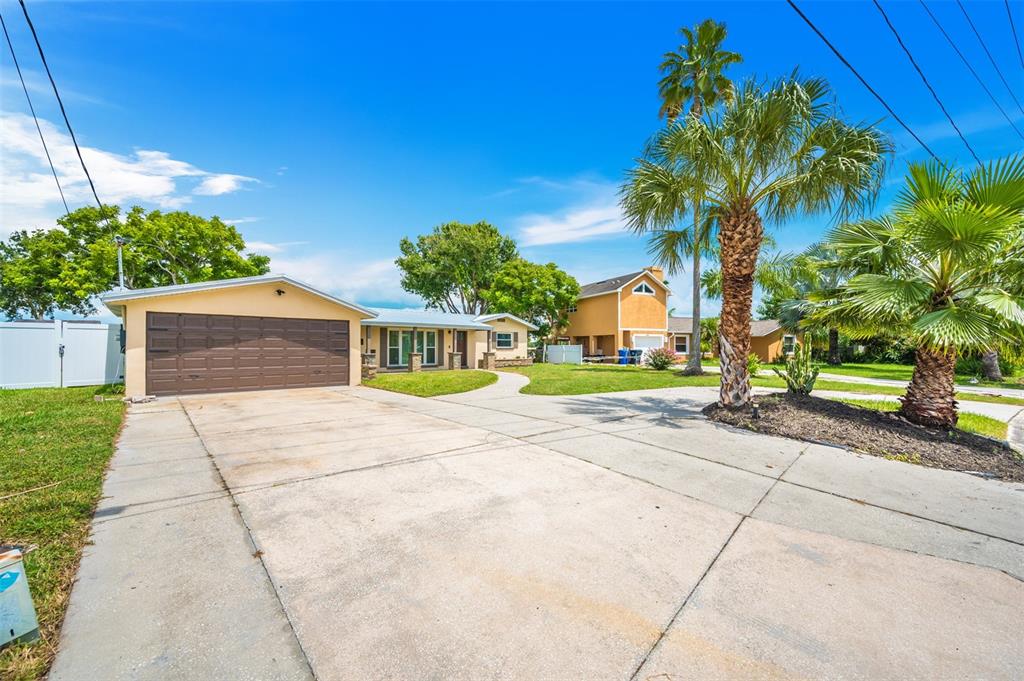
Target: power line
861,79
917,68
31,108
971,69
989,54
1016,40
67,122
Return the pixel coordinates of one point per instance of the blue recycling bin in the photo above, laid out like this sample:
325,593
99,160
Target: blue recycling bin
623,356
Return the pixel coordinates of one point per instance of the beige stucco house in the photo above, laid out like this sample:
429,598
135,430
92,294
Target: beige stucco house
273,331
628,311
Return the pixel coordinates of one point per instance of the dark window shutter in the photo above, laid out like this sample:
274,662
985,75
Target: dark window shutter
515,339
382,351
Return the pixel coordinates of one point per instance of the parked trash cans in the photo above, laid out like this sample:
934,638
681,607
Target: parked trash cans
623,356
17,616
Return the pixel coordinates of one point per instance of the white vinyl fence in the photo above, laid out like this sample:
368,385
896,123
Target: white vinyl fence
59,354
563,354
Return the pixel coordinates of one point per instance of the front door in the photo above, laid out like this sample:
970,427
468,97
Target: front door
460,346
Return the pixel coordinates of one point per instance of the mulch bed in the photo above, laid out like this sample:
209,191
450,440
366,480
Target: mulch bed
884,434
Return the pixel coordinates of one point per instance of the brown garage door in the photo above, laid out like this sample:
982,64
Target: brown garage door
199,353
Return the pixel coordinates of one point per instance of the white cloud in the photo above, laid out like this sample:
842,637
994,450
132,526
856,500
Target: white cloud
224,183
29,197
267,247
593,216
349,278
241,221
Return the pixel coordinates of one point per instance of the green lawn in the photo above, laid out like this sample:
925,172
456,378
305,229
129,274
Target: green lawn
571,379
893,372
50,435
972,423
432,383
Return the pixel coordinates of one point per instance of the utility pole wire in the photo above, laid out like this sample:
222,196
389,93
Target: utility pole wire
863,82
917,68
1016,40
67,122
989,54
35,118
971,69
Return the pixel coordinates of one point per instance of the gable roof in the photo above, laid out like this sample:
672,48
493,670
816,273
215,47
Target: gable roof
680,324
763,327
502,315
115,296
599,288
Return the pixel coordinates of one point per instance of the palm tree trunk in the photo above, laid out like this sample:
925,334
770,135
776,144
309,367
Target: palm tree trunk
990,365
693,364
930,397
739,241
833,347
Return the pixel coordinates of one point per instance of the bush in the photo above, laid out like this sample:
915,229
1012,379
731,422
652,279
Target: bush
753,364
801,373
970,365
659,358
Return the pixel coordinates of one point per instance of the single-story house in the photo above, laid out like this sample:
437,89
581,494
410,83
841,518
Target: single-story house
273,331
769,341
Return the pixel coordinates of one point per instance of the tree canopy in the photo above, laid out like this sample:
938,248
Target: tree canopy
66,267
537,293
454,266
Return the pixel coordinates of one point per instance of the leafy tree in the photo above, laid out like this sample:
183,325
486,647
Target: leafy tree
66,267
454,266
692,75
772,153
949,264
537,293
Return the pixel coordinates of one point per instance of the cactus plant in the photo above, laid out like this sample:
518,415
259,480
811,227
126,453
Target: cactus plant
800,371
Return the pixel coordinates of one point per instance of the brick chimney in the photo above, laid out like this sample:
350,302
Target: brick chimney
656,272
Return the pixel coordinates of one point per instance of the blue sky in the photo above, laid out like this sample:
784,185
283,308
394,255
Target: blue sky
327,131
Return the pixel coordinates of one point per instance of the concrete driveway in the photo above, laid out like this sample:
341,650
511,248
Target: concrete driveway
360,534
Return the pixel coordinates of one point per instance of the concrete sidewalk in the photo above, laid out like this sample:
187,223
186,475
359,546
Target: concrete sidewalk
498,535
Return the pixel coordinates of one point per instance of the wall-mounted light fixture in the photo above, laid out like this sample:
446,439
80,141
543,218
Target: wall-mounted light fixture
279,292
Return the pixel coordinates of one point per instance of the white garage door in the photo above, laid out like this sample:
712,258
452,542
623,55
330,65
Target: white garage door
644,342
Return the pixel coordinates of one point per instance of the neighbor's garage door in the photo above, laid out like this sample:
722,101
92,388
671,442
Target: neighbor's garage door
198,353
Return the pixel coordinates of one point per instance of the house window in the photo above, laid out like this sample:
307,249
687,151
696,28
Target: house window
572,308
426,344
503,341
682,344
643,288
788,344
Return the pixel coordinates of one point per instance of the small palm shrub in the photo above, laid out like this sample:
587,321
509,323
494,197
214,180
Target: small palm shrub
801,373
753,364
660,358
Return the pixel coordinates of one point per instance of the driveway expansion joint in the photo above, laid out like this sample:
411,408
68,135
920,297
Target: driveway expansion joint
257,550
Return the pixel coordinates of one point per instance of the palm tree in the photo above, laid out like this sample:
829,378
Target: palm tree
692,75
951,257
773,152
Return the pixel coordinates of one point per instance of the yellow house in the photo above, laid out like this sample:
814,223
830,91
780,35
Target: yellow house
628,311
769,341
272,331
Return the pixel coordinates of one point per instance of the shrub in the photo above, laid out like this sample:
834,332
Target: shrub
660,358
800,371
753,364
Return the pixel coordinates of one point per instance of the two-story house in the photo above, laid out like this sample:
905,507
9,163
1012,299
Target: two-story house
628,311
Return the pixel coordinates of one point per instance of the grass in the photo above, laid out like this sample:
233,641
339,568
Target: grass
571,379
50,435
903,372
972,423
432,383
